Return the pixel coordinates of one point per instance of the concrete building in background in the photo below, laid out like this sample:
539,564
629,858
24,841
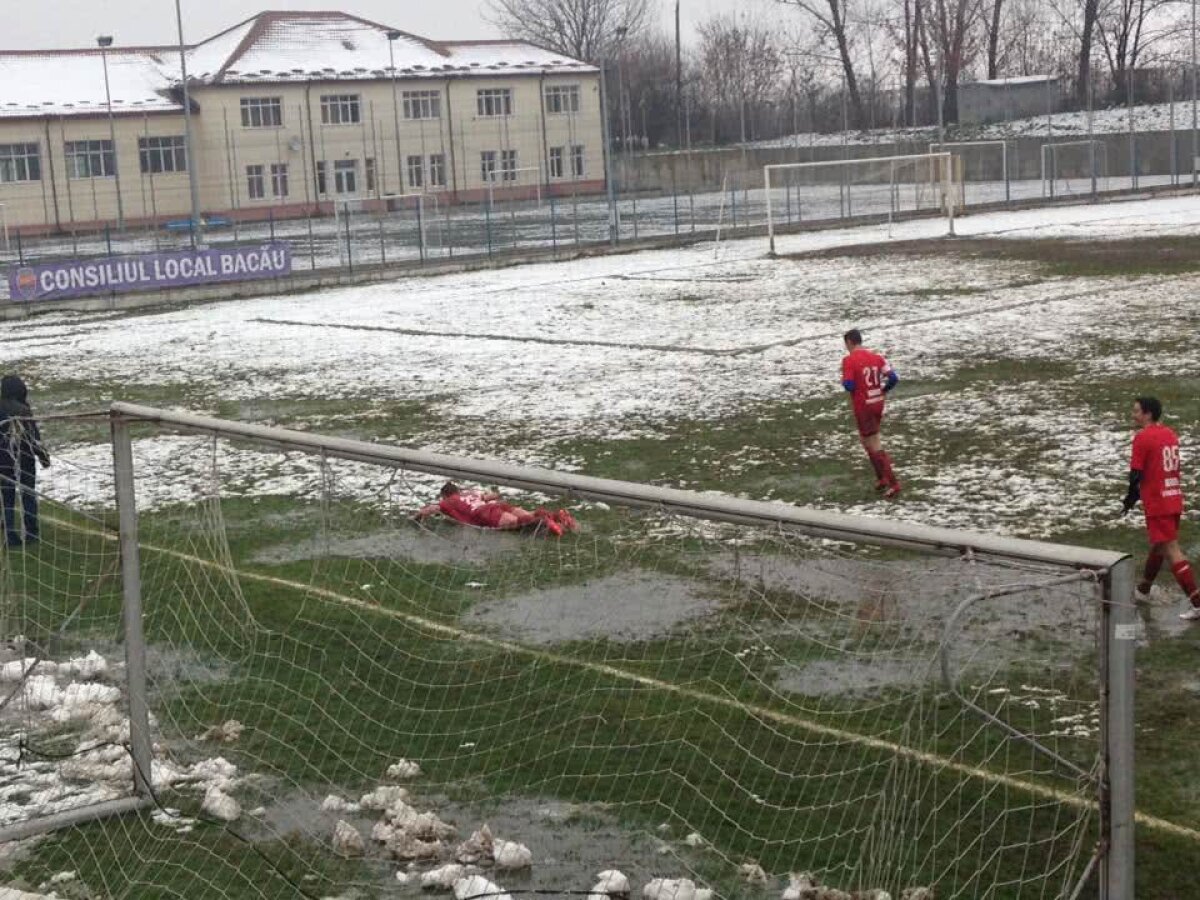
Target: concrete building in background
293,113
1008,99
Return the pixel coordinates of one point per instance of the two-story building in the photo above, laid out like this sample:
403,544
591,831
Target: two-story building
292,113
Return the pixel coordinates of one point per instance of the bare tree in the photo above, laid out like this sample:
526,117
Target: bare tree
742,63
955,36
580,29
991,25
832,20
1125,29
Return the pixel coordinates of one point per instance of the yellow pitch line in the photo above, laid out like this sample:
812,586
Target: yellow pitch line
929,759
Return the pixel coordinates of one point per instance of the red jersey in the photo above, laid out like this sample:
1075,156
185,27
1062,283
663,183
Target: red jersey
466,507
1156,456
869,371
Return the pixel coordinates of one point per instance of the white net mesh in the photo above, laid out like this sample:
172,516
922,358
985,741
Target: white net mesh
881,188
341,693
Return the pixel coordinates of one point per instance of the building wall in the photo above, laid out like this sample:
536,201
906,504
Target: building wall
225,148
982,103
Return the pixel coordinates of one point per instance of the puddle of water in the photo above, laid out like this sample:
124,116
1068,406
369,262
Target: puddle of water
629,606
445,546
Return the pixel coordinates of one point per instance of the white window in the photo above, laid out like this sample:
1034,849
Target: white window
162,154
508,165
340,109
562,99
416,171
494,102
556,162
90,159
279,179
345,176
487,165
422,104
20,162
369,165
437,170
577,161
255,187
262,112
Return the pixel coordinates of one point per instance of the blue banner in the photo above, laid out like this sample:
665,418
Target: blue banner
148,272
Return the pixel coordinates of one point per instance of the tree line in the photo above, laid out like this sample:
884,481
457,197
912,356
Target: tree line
790,66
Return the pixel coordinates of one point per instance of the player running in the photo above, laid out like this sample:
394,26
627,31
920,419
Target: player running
1154,478
867,377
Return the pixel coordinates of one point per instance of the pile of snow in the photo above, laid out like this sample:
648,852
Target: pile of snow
609,884
75,692
752,873
477,848
477,886
220,805
675,889
347,841
403,770
225,733
511,855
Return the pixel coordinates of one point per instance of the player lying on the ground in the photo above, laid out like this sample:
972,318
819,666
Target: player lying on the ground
485,509
867,377
1154,478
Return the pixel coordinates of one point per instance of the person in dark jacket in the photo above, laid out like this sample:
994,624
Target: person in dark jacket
20,451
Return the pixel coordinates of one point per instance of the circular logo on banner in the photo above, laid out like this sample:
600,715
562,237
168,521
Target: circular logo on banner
26,284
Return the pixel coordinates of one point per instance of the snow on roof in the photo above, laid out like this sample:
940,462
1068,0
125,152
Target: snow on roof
272,47
1020,79
57,83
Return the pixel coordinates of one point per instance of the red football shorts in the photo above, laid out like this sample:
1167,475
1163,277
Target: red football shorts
869,420
1162,529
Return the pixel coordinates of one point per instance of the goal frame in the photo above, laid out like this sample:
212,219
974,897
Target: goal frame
943,146
944,160
1112,571
496,179
1050,149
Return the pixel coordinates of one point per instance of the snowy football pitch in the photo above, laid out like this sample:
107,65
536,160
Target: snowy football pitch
1019,348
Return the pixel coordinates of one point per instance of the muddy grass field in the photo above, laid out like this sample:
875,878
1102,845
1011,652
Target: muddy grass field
669,698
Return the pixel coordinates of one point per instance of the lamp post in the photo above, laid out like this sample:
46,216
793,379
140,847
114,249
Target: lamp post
392,37
196,231
104,41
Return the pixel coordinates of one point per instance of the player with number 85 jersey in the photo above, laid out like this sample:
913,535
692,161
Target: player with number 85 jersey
1155,479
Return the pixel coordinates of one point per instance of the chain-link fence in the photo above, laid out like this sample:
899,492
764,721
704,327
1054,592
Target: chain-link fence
366,194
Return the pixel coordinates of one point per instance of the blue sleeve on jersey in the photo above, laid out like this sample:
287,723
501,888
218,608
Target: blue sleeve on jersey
848,384
892,380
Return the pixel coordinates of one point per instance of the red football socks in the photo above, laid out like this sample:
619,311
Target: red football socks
1153,563
1183,574
888,474
877,464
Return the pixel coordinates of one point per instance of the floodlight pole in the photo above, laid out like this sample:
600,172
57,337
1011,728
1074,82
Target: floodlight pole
392,37
104,42
608,167
196,230
1195,108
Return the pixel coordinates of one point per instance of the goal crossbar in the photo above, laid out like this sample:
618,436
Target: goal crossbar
944,161
814,522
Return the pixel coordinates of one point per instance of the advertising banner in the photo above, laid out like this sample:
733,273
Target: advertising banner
65,279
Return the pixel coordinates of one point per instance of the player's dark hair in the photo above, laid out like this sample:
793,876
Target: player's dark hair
1151,406
449,489
853,336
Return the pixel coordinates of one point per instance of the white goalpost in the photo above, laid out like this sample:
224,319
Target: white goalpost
875,187
966,147
1066,163
498,179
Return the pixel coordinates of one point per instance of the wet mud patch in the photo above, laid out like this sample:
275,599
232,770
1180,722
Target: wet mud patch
859,626
443,546
629,606
570,842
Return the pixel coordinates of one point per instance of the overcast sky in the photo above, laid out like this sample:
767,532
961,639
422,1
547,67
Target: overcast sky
41,24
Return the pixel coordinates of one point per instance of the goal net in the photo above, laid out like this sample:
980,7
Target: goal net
687,693
862,190
985,167
1074,168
